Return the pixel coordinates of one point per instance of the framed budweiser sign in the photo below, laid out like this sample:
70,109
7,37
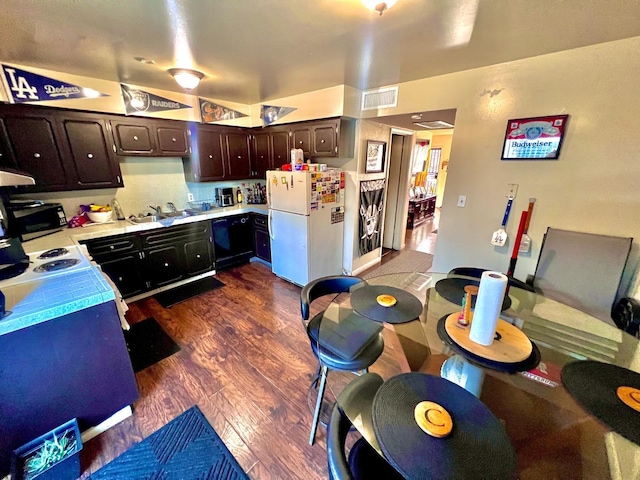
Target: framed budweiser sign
535,138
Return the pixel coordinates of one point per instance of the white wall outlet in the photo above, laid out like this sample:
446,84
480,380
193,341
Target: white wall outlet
462,200
190,197
512,190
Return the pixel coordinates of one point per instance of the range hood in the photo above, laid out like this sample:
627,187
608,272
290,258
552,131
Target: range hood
10,178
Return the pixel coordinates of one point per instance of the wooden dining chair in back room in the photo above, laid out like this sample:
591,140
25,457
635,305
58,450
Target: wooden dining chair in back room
351,345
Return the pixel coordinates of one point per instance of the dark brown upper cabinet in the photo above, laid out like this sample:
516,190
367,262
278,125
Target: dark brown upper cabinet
91,151
324,139
238,157
207,160
280,146
262,154
301,138
134,137
173,139
32,136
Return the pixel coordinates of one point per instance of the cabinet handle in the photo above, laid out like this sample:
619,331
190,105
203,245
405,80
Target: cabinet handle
36,155
135,137
166,264
210,156
261,156
197,256
300,142
118,179
90,155
239,156
111,247
321,141
119,279
113,146
173,140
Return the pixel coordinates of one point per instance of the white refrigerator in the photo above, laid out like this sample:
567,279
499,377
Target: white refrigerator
306,223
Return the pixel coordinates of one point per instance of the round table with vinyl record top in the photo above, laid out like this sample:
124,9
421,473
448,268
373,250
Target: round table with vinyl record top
550,429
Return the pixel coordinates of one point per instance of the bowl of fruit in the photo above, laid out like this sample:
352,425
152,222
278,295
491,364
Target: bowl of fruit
100,213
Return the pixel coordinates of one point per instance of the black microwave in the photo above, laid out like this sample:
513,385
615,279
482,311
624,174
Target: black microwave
29,220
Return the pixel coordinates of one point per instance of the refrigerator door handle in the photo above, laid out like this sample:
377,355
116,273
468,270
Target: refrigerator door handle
268,190
269,225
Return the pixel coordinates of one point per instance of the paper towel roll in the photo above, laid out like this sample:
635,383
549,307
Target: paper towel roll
488,306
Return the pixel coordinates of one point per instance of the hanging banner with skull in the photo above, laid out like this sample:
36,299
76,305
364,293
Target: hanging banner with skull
371,203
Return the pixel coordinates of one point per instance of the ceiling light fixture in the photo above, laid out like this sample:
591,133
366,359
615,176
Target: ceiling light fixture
379,6
433,125
416,116
186,78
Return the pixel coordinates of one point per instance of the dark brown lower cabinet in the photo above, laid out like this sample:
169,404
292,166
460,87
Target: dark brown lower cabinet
261,239
140,262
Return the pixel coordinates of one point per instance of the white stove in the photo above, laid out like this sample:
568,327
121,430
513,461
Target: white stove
51,263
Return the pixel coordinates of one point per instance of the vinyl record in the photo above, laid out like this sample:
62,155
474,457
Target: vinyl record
595,386
453,290
523,366
477,447
407,306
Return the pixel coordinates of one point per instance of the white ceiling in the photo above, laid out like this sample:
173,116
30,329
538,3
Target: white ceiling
253,51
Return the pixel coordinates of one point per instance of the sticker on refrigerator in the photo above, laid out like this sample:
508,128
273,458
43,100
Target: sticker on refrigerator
329,198
337,215
314,206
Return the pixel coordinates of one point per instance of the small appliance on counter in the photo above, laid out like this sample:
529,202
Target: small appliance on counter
224,197
29,219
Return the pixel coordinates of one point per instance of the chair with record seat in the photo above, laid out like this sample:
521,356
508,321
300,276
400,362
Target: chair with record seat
363,462
353,348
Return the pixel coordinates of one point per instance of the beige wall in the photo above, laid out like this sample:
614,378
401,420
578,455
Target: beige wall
443,142
593,185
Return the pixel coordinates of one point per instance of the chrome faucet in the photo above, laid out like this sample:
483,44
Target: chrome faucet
157,209
172,207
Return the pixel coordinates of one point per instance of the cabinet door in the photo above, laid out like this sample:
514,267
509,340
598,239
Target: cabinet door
262,244
238,154
301,138
172,141
280,148
262,156
198,256
124,271
133,138
91,153
324,140
36,150
7,159
163,266
207,160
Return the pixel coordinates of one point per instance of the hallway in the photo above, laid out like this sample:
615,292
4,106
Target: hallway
421,239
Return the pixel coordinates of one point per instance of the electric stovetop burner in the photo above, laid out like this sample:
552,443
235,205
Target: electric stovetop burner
53,253
56,265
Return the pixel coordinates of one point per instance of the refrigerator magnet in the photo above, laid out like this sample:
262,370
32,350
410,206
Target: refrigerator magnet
314,205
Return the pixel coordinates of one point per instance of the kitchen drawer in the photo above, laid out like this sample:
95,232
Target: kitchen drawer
261,222
173,234
112,245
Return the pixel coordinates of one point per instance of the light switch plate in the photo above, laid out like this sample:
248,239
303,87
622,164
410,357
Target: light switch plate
462,200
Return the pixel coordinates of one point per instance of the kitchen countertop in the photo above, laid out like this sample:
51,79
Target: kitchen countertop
35,302
73,236
38,301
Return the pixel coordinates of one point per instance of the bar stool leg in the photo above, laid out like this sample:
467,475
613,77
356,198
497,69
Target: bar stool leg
316,415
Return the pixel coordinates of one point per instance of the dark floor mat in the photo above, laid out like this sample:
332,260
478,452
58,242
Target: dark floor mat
148,343
179,294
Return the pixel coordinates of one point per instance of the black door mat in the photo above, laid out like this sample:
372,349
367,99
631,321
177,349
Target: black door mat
148,343
184,292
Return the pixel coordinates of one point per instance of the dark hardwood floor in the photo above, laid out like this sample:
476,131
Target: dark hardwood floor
246,362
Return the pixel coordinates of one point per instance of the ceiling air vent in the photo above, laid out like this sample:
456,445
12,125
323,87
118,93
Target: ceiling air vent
433,125
380,98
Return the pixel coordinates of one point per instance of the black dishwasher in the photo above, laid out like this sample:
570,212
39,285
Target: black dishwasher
232,240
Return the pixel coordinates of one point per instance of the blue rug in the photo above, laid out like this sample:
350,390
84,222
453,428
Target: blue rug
185,448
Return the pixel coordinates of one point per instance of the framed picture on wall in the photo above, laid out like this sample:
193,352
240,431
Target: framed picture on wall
375,156
536,138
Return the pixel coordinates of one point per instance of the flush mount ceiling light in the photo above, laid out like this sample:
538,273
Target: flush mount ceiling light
416,116
379,6
186,78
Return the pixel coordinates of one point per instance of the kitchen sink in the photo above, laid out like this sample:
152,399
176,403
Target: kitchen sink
147,219
180,213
